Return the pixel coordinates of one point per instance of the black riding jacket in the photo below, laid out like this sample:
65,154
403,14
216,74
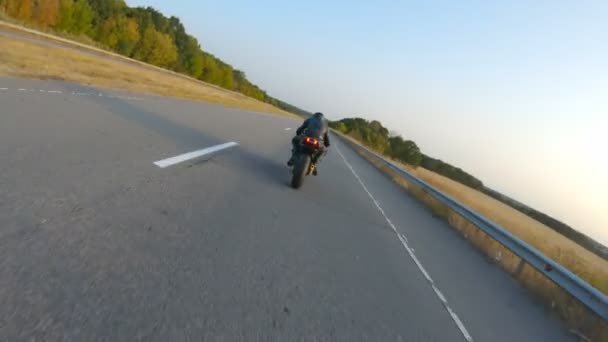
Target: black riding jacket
315,127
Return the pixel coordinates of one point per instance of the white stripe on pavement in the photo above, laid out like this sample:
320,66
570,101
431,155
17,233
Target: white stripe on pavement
410,251
288,129
194,154
77,93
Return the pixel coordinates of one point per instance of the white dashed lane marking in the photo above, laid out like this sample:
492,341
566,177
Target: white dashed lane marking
194,154
76,93
410,251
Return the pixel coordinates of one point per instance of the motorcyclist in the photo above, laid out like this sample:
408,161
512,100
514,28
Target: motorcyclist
317,127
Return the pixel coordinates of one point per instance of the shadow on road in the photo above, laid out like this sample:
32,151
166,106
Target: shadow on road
263,168
183,136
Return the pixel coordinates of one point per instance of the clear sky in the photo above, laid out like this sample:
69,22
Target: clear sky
515,92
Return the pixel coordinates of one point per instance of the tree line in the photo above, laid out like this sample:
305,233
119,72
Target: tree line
147,35
375,136
141,33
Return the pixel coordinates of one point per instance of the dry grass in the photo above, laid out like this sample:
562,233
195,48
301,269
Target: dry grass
577,316
10,24
585,264
568,253
589,266
22,58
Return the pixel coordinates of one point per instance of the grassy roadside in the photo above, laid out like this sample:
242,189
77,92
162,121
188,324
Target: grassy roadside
571,255
576,258
8,24
21,58
587,265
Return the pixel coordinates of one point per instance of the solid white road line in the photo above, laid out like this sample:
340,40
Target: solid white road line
194,154
410,251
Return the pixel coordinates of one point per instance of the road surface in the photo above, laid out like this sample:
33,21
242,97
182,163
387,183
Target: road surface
97,243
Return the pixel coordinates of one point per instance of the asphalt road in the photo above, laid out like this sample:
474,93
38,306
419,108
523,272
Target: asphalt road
99,244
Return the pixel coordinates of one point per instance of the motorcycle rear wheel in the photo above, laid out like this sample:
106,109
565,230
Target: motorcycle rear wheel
300,168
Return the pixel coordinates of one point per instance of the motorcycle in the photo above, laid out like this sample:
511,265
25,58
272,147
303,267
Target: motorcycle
306,155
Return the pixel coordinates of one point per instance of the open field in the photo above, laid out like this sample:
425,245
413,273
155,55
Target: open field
587,265
568,253
21,58
576,258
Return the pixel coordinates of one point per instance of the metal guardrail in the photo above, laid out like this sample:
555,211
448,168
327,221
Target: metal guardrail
591,297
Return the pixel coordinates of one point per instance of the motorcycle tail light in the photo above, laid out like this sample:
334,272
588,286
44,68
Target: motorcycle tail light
311,141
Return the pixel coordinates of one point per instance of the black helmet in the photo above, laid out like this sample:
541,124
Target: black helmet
318,115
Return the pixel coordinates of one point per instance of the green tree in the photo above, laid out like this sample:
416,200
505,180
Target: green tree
120,34
191,57
75,17
128,36
404,150
83,17
161,23
451,172
374,135
188,51
145,34
341,127
242,85
66,16
157,48
211,70
143,18
227,77
104,9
